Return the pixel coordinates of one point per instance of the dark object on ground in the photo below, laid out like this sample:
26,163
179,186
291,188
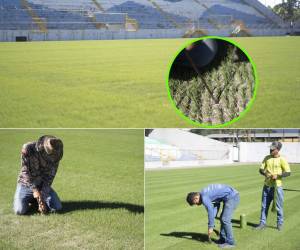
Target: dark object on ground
201,52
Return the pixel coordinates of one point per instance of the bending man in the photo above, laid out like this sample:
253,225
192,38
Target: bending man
214,194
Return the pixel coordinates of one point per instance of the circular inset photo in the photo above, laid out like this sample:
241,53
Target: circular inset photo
212,81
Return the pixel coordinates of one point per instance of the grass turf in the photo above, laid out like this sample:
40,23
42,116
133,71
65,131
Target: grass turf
172,224
122,83
100,182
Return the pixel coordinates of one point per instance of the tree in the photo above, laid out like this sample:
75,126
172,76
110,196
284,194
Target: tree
288,10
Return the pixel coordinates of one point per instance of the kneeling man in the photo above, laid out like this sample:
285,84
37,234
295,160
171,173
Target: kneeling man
39,163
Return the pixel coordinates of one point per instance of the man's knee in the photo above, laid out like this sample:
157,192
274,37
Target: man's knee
54,202
20,207
263,206
58,207
226,221
265,203
20,210
54,205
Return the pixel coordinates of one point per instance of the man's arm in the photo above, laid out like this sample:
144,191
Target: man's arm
286,171
28,162
41,195
48,178
29,175
210,211
262,169
265,173
262,172
285,174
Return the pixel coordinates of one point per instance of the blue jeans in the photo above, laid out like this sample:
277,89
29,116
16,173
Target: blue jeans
267,197
226,234
24,196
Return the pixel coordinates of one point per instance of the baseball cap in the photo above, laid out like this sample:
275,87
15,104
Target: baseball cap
51,147
276,145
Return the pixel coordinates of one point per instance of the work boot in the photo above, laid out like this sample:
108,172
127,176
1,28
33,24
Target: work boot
260,227
226,245
279,227
220,241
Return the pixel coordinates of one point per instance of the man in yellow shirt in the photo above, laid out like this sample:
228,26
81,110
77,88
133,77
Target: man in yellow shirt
274,167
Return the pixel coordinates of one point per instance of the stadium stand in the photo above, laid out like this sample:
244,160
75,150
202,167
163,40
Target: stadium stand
178,148
121,19
13,16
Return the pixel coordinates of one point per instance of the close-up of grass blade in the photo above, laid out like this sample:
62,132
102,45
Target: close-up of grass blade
217,95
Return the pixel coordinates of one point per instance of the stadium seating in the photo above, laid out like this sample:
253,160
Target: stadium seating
67,5
149,14
13,16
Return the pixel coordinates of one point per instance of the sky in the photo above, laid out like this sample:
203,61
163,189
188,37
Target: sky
270,2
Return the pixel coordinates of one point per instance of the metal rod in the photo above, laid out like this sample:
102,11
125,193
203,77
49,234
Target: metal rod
199,74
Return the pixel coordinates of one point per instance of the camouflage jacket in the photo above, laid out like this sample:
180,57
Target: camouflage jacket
37,168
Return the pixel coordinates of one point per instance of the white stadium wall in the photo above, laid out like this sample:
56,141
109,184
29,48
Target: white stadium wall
189,150
63,35
256,151
185,164
246,152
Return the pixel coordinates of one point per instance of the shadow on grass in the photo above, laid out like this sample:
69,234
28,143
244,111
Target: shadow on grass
238,222
33,208
295,190
69,206
250,224
188,235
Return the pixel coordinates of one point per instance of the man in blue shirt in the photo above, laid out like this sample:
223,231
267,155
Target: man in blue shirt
214,194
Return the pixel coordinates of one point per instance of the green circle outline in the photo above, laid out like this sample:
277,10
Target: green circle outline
249,105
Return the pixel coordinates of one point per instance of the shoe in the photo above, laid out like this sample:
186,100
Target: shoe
279,227
226,245
220,241
260,227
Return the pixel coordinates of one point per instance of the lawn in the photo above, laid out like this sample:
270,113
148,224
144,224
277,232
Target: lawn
100,182
172,224
122,83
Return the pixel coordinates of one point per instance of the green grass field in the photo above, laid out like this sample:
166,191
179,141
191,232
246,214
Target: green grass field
100,182
122,83
172,224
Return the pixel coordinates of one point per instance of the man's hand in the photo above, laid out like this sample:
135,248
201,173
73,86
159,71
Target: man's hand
42,206
268,174
210,231
36,193
274,176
